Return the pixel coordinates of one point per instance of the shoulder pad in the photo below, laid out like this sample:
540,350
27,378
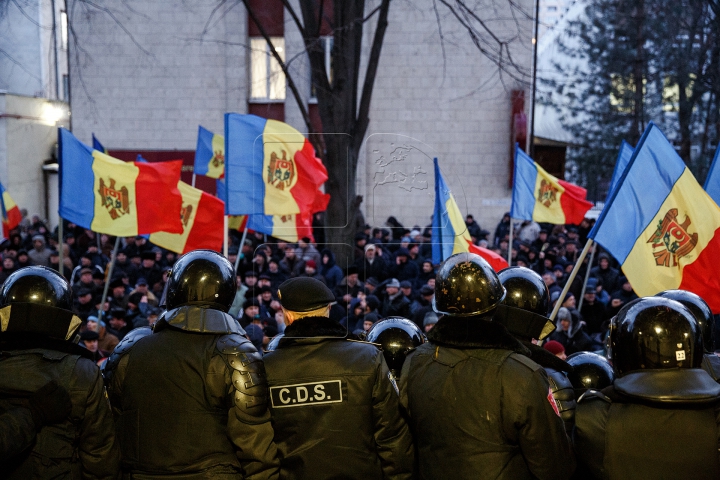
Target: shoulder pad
590,395
125,345
247,372
558,380
526,361
234,343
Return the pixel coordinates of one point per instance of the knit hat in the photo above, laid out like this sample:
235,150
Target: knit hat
431,318
554,347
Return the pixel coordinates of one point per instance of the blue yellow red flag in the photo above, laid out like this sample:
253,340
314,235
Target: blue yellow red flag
97,145
11,216
449,231
661,226
271,169
114,197
209,154
623,158
541,197
712,181
201,214
289,228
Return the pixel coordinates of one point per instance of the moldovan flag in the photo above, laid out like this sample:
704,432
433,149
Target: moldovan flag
202,216
11,215
449,232
624,156
271,168
289,228
539,196
712,181
114,197
209,154
661,225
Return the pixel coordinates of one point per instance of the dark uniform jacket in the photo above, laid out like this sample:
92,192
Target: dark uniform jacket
480,408
335,409
81,447
190,400
17,431
650,424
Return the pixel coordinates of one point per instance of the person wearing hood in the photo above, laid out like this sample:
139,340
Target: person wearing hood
570,332
610,276
329,270
335,410
401,268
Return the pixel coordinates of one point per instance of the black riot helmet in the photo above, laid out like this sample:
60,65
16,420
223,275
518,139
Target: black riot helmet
700,310
525,290
398,336
203,278
525,307
590,371
655,333
466,285
38,285
39,301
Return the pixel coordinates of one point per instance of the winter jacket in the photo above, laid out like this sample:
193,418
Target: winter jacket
650,424
189,416
84,445
335,410
480,408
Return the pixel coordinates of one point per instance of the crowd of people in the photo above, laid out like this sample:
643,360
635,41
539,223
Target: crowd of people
391,274
453,378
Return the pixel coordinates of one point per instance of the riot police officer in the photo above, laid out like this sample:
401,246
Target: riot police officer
523,313
590,371
335,409
397,336
660,419
478,405
704,317
190,399
38,344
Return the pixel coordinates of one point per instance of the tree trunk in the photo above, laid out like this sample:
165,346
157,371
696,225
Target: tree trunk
638,75
341,159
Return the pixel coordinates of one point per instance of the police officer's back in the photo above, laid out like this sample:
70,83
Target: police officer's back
190,397
334,405
479,407
37,346
661,418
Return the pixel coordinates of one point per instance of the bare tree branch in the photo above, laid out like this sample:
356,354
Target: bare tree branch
442,40
119,24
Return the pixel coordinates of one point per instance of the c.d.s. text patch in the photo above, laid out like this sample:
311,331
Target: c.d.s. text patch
302,394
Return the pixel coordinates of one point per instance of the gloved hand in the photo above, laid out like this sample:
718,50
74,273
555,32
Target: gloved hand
50,404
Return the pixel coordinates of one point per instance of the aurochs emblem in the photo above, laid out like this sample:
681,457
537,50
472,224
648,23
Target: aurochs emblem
672,241
185,213
117,201
218,159
547,193
280,171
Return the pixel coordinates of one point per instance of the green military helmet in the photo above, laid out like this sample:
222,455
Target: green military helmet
466,285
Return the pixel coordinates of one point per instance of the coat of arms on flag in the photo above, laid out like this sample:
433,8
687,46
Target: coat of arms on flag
672,240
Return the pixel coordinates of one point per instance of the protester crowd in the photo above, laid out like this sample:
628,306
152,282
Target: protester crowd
391,275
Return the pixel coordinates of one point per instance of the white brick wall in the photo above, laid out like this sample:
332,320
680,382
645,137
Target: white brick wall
157,101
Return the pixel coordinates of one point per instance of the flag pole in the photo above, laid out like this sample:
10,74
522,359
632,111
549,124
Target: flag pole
570,279
510,242
225,235
242,243
587,276
193,180
101,311
61,270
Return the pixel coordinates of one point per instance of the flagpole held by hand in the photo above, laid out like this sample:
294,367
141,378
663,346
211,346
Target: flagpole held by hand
510,242
240,254
573,274
225,235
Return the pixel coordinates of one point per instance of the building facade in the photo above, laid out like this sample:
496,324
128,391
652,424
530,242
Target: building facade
145,77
